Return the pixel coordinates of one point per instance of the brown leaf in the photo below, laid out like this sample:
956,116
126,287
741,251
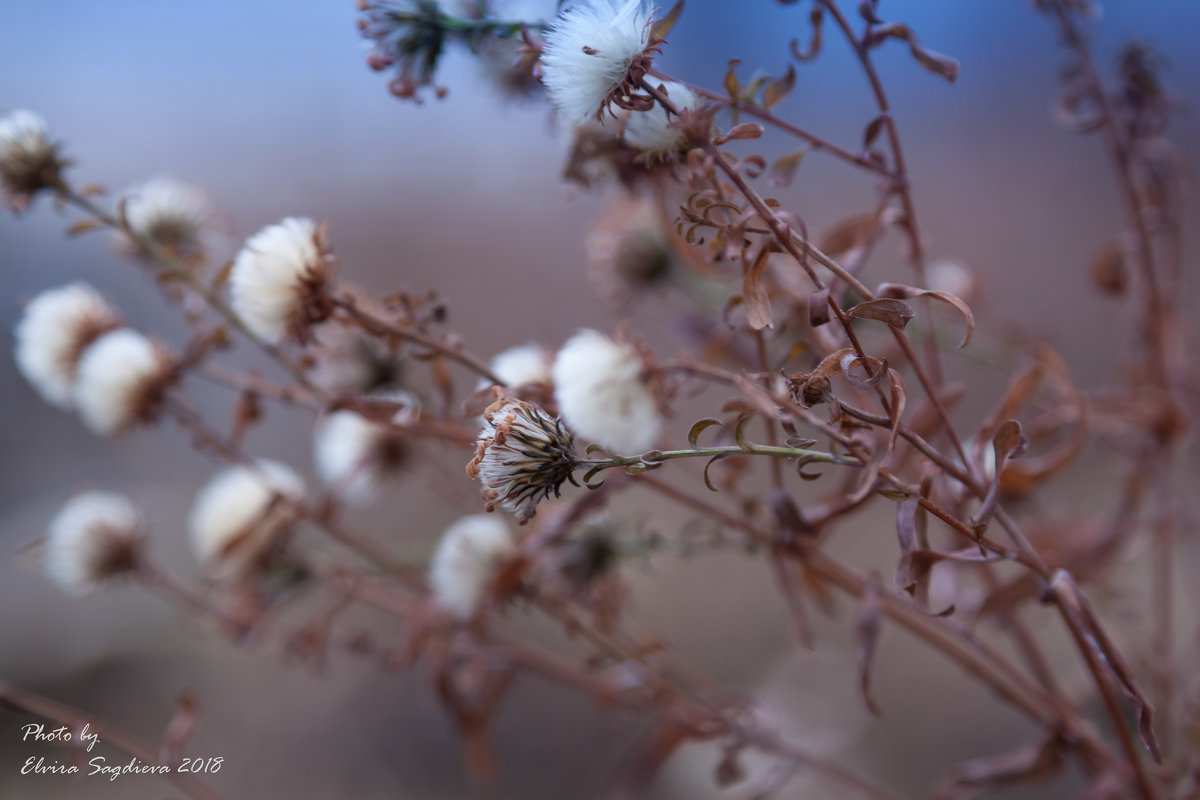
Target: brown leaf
84,226
732,86
847,234
818,308
1007,443
179,730
934,62
783,171
663,25
868,628
747,130
900,290
814,40
1029,762
754,294
1110,268
894,312
775,91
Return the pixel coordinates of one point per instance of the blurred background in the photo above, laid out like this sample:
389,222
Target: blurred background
270,106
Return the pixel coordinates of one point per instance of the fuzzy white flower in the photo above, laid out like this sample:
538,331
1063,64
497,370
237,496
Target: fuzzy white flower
121,379
953,277
28,156
236,516
521,457
357,455
53,331
94,537
651,130
596,54
466,561
601,393
173,214
522,365
277,272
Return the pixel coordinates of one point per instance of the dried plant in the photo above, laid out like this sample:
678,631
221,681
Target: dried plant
824,384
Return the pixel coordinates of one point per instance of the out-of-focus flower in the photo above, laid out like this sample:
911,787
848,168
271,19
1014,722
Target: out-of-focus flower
55,328
952,277
121,379
522,456
277,281
602,394
654,132
596,54
238,515
356,454
93,538
29,159
629,252
466,562
522,365
173,214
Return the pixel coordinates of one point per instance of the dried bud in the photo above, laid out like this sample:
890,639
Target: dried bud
522,456
29,159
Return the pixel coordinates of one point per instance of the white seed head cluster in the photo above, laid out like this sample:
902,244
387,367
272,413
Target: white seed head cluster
522,456
94,537
28,156
601,393
273,275
356,454
466,562
171,213
590,50
236,516
651,131
55,328
120,380
522,365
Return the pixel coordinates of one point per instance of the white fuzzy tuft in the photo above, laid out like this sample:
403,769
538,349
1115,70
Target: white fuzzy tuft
614,32
269,276
92,538
522,365
24,138
235,517
651,132
170,212
118,377
54,329
465,564
600,393
355,454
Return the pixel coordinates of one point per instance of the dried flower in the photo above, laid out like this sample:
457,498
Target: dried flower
596,54
466,562
522,365
121,380
356,454
237,516
655,133
29,159
522,456
173,214
601,391
51,336
629,252
93,538
276,285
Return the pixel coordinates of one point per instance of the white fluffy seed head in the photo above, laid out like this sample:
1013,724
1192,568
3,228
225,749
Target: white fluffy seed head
274,274
589,52
28,156
953,277
173,214
357,455
54,329
120,380
95,536
651,131
466,562
601,393
522,365
237,515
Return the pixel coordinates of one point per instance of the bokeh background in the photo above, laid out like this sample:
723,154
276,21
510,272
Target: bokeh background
269,105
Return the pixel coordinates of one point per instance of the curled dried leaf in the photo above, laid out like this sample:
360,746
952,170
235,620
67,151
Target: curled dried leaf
934,62
902,291
895,313
868,628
